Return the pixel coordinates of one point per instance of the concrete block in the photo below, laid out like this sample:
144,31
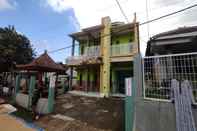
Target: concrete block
22,100
42,106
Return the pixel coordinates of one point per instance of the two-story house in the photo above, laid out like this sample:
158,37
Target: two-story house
105,56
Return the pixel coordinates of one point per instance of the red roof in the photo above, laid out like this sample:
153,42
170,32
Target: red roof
43,63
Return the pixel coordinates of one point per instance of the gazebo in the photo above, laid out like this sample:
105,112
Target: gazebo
41,67
43,63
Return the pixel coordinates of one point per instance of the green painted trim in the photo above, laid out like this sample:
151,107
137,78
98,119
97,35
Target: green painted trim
130,109
31,90
51,97
17,87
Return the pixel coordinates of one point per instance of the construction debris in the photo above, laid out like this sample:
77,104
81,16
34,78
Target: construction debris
7,109
67,106
85,113
63,117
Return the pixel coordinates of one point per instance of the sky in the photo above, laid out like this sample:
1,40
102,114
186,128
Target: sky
47,23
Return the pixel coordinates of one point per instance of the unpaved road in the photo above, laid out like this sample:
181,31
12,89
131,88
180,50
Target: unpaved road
89,114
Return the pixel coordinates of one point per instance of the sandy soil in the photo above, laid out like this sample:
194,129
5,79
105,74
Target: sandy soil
9,123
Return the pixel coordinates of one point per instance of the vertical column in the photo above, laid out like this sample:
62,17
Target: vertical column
85,79
105,53
136,46
51,94
71,69
30,91
92,79
17,87
63,85
129,104
113,81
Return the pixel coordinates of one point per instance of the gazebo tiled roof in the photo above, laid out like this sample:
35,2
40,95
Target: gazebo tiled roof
43,63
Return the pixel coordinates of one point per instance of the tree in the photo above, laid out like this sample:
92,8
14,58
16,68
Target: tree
15,48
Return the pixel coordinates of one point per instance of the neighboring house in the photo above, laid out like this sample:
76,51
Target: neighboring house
105,56
181,40
171,55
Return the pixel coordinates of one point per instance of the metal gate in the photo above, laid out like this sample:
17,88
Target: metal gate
159,71
173,77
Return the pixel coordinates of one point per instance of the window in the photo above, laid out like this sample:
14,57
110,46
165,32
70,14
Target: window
117,42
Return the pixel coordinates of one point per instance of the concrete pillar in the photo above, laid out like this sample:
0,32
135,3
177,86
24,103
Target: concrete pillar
17,87
114,83
31,89
138,85
85,79
136,95
51,94
136,46
71,69
64,85
105,53
138,75
91,85
129,104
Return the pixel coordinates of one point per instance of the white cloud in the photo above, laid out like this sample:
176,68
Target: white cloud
90,12
75,22
58,5
7,4
41,46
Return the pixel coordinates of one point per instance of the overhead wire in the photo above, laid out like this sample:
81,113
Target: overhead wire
140,24
122,11
173,13
147,17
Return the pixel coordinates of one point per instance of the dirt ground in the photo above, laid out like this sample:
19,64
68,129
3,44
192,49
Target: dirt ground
88,114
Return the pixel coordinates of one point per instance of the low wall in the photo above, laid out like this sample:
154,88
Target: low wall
156,116
22,100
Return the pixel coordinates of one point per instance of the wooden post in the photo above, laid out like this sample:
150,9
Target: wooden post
105,53
30,91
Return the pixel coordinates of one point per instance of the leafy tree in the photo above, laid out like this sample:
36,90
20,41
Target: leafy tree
15,48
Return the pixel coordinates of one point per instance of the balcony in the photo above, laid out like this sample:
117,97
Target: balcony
92,51
121,49
91,56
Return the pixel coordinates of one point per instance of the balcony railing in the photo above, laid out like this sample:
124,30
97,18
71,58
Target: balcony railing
74,60
92,51
121,49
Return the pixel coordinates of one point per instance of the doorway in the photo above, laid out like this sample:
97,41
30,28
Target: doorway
121,76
